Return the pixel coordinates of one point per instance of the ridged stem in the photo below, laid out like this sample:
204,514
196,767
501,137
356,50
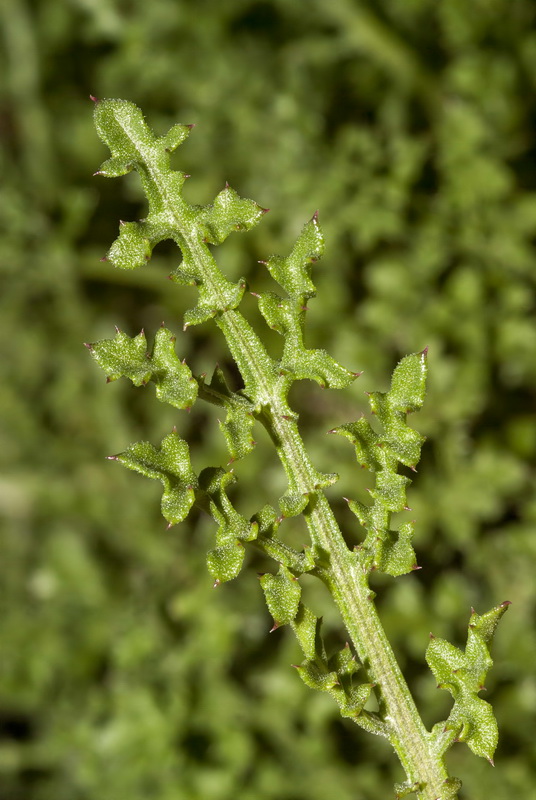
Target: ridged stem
347,583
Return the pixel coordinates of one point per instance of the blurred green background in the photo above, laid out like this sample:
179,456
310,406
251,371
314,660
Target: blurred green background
410,125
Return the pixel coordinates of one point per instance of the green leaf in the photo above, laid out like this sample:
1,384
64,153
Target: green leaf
239,421
282,593
229,213
123,356
122,127
170,464
214,300
307,626
225,561
333,675
292,504
127,357
293,272
408,384
268,523
133,247
216,293
381,452
287,317
395,554
463,675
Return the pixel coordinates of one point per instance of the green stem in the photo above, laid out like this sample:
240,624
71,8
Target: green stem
346,581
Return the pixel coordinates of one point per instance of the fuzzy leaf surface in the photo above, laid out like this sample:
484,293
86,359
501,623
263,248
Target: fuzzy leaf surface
384,549
282,593
121,125
334,675
225,561
238,424
463,673
125,356
287,317
293,273
170,464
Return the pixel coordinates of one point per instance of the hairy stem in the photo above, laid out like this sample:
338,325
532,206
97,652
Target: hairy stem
349,587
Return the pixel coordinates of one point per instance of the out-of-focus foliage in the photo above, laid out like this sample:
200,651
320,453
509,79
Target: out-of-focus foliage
409,124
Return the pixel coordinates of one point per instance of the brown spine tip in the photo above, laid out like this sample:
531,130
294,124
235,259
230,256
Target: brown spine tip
112,458
216,583
274,627
94,99
88,345
425,351
506,604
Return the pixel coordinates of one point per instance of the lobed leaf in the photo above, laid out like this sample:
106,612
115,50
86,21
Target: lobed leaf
225,560
333,675
384,549
268,523
133,146
229,213
133,247
462,673
287,317
293,273
125,356
282,593
238,424
170,464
